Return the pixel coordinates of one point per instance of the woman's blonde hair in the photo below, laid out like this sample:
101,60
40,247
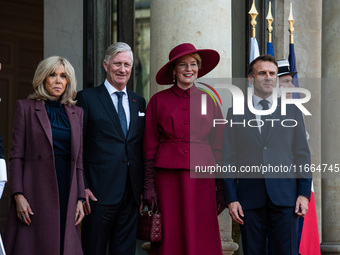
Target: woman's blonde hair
195,55
47,67
198,58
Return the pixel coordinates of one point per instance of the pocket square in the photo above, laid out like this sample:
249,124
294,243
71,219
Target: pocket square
141,114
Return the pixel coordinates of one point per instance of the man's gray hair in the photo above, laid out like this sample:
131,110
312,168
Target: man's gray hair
116,48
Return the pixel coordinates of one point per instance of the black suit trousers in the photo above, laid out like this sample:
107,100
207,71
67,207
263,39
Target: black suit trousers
280,221
111,226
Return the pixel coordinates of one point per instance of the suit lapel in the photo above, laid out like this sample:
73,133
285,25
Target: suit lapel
251,116
110,109
275,115
41,113
133,113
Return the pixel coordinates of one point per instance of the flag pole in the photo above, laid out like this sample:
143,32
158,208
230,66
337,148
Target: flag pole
291,22
253,14
254,47
270,20
291,57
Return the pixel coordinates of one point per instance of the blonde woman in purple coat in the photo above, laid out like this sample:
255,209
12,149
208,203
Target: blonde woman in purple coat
45,166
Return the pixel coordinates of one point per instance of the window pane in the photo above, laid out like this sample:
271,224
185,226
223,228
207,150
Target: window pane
142,47
114,20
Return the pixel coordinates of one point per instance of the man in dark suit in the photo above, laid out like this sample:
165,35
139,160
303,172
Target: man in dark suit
113,168
270,201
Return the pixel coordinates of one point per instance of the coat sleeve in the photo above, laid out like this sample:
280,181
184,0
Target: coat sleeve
151,135
17,152
216,137
82,102
80,169
143,106
229,159
301,156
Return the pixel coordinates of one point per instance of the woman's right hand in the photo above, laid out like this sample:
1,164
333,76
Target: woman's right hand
150,195
23,209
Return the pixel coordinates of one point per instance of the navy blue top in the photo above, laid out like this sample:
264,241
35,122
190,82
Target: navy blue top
61,130
61,133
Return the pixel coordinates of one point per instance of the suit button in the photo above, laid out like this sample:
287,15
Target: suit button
185,122
265,147
39,156
185,108
186,151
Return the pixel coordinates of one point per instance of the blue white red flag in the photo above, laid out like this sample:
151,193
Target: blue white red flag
292,63
310,244
254,52
254,49
270,49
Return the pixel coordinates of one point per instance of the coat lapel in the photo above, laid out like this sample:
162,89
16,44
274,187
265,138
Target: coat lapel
41,113
110,109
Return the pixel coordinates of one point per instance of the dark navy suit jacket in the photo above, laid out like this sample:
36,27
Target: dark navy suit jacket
109,157
284,147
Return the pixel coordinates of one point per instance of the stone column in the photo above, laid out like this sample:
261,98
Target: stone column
63,33
205,24
307,43
330,128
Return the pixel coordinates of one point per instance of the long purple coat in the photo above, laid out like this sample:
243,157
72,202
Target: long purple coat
32,172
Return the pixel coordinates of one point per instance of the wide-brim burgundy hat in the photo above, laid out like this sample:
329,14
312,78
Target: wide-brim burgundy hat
210,59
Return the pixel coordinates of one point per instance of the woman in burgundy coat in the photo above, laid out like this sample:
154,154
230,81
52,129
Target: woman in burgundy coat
46,171
178,138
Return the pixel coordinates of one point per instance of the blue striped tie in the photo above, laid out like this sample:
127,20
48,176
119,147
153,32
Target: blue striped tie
121,112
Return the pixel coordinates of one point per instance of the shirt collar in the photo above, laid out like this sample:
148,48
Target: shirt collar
256,100
181,92
112,89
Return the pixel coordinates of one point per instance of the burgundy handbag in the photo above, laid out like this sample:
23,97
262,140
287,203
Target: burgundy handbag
149,224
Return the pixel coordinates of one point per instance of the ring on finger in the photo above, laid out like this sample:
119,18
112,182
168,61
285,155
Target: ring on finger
22,217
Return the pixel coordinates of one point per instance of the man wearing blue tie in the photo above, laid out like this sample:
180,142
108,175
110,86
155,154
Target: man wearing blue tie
261,202
113,167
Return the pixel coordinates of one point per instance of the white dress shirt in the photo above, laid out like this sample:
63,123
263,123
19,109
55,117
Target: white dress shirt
258,106
125,100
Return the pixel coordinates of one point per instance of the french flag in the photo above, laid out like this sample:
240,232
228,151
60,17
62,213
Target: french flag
310,244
